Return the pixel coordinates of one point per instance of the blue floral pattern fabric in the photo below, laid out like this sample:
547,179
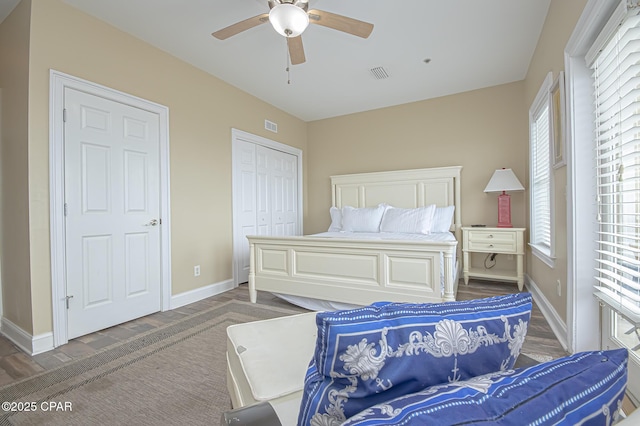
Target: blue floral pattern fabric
586,389
369,355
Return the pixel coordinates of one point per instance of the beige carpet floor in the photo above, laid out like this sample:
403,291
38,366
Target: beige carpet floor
175,375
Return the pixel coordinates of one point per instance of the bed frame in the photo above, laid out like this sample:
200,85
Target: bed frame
362,272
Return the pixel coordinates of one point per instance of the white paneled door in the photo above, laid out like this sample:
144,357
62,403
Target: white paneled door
266,197
284,190
245,219
112,207
263,191
276,192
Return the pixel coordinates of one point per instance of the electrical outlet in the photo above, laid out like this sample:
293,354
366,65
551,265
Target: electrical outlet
559,287
196,271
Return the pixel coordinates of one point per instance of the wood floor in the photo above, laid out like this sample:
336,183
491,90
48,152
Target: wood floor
16,365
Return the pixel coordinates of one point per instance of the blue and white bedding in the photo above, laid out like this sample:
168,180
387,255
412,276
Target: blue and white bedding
367,356
586,388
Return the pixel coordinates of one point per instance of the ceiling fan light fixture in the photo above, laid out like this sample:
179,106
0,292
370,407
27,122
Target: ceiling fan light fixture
288,20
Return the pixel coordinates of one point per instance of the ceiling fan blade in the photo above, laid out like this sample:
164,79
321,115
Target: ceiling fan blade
341,23
241,26
296,51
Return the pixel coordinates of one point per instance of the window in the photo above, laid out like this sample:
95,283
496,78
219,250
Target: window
541,221
615,60
617,159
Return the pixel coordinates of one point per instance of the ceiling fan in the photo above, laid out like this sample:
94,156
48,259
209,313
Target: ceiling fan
290,18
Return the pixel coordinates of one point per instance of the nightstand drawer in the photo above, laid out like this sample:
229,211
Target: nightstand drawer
493,246
491,240
489,236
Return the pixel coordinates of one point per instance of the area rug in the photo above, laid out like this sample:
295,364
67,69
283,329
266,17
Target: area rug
175,375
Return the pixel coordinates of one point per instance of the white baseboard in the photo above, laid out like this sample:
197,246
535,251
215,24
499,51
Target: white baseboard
42,343
32,345
198,294
557,324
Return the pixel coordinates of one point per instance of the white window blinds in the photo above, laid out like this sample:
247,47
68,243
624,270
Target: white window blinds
541,178
616,67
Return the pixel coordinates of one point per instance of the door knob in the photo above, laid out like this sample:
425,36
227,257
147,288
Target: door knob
152,222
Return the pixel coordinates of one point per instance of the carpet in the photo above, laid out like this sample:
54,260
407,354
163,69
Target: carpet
173,375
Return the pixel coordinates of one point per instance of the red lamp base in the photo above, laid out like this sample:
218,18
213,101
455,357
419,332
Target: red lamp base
504,211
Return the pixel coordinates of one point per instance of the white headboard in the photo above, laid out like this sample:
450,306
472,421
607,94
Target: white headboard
401,188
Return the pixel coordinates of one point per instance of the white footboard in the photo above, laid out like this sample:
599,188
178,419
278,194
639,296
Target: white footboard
353,271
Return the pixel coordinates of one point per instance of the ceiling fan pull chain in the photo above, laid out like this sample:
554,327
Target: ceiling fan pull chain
288,69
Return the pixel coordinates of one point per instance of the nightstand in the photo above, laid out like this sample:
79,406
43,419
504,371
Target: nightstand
508,241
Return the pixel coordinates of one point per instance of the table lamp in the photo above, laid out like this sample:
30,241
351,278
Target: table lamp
504,180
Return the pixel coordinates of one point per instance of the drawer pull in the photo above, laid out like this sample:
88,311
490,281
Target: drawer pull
490,245
490,235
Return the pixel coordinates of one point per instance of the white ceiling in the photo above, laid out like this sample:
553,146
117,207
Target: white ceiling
472,44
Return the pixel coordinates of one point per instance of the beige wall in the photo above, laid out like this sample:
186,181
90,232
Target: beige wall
549,56
202,111
14,227
482,131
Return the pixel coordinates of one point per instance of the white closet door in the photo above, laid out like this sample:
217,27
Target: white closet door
246,212
266,196
284,193
263,189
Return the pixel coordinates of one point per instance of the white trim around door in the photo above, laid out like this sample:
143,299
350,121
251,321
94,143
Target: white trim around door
58,82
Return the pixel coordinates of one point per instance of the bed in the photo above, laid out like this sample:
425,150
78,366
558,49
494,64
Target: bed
354,270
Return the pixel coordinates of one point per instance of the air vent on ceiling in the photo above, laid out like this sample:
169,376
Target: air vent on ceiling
271,126
379,73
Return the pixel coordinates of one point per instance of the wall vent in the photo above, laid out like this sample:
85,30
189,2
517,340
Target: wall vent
271,126
379,73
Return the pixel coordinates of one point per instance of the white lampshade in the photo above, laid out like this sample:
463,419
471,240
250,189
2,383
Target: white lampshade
504,180
288,20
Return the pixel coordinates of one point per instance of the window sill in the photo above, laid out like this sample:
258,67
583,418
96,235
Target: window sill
615,304
543,253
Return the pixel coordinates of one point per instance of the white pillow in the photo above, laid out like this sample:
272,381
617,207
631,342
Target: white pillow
336,219
410,221
365,219
442,219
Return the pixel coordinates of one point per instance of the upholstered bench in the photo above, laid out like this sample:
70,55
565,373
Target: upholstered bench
267,361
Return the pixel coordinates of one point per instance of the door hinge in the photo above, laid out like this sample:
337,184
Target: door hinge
66,210
68,298
64,115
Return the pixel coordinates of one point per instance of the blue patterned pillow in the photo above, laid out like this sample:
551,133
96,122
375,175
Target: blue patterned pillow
585,388
372,354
